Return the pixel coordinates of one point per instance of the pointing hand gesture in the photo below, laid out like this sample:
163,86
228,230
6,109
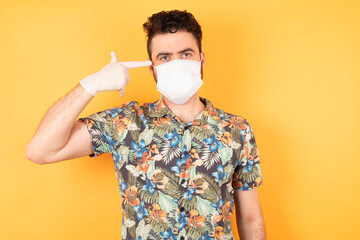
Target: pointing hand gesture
113,76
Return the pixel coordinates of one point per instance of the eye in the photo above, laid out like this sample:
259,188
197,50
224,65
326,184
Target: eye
186,55
165,58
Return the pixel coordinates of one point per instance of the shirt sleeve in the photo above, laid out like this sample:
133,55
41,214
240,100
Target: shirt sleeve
101,129
247,174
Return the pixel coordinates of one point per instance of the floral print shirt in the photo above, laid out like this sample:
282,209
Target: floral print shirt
176,180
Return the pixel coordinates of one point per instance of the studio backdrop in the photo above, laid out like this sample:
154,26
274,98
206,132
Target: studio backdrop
291,68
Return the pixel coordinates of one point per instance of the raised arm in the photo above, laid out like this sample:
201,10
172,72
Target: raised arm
59,137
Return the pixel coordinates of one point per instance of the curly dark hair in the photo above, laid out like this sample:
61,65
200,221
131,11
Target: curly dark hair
171,22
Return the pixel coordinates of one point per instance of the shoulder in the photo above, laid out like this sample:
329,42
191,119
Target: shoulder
226,119
130,105
115,112
232,120
125,107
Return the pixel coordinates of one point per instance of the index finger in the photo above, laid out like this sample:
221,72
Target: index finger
136,64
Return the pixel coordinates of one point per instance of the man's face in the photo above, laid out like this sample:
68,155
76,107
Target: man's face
170,46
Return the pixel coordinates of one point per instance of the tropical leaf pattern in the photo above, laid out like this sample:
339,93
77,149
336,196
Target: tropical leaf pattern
176,180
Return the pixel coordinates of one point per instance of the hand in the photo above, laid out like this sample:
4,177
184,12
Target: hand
113,76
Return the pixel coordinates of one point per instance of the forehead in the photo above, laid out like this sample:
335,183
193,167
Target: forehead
173,42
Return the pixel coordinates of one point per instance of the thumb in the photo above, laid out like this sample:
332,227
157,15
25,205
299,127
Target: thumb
113,57
122,91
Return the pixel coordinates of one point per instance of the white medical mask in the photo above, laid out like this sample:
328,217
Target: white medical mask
179,80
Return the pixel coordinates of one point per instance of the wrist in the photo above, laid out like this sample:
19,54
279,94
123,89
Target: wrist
89,85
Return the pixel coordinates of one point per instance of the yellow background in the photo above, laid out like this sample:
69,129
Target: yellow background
290,67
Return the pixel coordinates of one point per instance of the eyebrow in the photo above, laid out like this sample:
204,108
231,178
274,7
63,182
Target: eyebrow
168,53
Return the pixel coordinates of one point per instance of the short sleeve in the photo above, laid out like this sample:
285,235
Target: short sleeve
247,173
101,129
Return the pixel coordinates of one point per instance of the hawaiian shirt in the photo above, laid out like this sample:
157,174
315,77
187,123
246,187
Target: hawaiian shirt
176,180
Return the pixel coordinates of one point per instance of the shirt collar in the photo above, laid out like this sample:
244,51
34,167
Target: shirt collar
160,109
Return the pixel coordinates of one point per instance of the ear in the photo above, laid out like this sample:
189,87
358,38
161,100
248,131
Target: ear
202,58
151,68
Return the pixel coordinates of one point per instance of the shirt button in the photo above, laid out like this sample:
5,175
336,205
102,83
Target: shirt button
182,238
182,209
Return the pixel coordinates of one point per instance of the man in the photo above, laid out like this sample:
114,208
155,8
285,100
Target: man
181,163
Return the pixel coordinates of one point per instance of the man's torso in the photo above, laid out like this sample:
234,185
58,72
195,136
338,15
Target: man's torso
176,180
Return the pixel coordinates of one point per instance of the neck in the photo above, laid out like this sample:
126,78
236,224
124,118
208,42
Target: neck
188,111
